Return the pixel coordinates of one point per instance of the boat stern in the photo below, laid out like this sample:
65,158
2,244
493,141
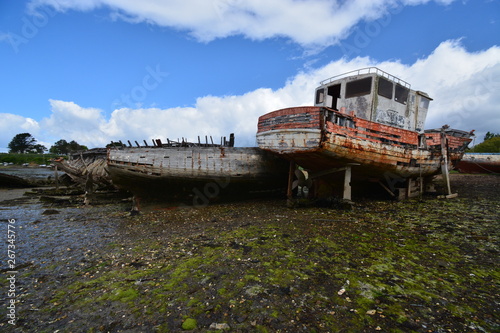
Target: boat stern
290,130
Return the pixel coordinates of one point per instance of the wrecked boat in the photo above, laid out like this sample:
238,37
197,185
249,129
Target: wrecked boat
199,172
365,125
86,168
480,163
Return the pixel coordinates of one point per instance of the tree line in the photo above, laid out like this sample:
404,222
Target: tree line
24,143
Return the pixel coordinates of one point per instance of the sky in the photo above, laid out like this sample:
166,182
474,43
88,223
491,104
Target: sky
97,71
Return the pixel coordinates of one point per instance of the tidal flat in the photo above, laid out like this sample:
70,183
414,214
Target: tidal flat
420,265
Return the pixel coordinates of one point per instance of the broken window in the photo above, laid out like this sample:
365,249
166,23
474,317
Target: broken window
320,96
385,88
401,94
334,93
358,87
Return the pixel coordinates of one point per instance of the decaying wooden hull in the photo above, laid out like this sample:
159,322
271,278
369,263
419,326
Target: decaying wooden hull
202,173
321,140
86,166
480,163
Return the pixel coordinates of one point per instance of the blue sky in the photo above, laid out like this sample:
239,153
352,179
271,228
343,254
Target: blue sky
100,70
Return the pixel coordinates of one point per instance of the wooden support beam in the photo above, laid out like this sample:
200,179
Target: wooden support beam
387,189
56,177
347,183
409,188
291,175
444,161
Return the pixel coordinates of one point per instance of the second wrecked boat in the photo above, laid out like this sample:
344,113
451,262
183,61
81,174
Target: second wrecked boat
366,125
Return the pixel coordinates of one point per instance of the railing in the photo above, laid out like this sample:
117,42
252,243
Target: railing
368,70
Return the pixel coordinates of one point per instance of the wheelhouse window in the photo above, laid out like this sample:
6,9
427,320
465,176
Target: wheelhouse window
401,94
358,88
424,103
320,96
385,88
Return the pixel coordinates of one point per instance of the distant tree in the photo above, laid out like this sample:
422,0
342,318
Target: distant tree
491,136
24,143
489,146
37,149
63,147
75,146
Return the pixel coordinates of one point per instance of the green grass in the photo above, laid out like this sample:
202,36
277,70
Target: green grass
26,158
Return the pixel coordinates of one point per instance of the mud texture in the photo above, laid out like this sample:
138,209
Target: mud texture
421,265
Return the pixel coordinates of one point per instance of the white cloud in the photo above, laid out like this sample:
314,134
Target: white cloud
464,86
11,124
207,20
70,121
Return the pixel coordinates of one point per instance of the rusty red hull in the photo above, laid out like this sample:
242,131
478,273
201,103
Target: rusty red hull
319,138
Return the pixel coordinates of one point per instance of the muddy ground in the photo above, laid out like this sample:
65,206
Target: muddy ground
421,265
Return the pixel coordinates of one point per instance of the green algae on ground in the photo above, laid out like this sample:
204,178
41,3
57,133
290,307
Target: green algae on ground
189,324
398,266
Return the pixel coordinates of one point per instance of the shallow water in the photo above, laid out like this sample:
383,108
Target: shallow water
42,239
29,172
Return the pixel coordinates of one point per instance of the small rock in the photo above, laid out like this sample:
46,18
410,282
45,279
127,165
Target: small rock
378,328
371,312
50,212
217,326
341,292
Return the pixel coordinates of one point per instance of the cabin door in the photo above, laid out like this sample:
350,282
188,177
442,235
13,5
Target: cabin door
332,96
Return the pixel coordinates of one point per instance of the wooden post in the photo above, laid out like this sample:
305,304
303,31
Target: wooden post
347,183
408,188
444,161
56,178
291,174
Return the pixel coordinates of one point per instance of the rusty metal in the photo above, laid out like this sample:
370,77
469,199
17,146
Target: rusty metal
320,138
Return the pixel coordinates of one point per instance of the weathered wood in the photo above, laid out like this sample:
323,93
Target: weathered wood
170,171
444,162
347,183
56,177
291,175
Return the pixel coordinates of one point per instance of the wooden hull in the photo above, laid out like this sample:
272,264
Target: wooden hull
203,173
86,165
480,163
319,139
